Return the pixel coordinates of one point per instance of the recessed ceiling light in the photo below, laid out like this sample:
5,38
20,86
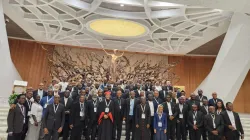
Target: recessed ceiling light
121,5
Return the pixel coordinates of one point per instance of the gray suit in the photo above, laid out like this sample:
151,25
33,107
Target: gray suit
53,121
15,122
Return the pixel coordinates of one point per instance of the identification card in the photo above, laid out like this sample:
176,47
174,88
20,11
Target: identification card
148,89
95,109
29,113
81,114
120,107
194,122
106,110
143,116
181,116
159,124
45,106
201,104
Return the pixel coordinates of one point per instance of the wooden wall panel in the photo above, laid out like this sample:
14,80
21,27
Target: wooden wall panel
192,70
30,61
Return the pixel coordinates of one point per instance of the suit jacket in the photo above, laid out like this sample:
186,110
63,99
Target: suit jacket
168,88
119,112
199,119
156,103
139,112
203,110
127,107
227,122
54,120
178,112
35,93
200,99
15,120
212,103
75,117
148,87
161,95
137,94
219,123
92,115
165,108
191,102
163,120
67,106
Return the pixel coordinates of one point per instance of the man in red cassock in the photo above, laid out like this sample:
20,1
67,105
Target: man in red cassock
105,112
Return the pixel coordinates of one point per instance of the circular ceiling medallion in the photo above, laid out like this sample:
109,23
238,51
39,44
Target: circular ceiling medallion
118,27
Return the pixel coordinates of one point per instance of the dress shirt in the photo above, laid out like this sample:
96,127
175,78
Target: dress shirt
56,93
40,93
36,110
231,117
65,101
181,107
100,99
151,105
131,110
206,108
158,88
170,113
22,108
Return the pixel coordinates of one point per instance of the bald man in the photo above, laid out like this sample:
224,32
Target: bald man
42,93
214,100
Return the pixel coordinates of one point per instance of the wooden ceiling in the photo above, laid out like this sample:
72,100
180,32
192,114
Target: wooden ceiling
210,48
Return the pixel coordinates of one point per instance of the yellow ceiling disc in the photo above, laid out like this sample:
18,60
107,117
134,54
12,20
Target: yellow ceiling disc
118,27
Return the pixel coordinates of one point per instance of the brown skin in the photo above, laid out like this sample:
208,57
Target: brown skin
168,99
143,102
81,100
211,110
230,108
194,107
41,86
107,96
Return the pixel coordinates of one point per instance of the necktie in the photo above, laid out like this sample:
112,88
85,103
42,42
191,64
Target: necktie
82,107
56,106
22,109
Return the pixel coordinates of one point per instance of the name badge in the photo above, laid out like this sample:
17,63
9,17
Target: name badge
106,110
143,116
81,114
181,116
159,124
45,106
201,104
195,122
120,107
148,89
29,113
95,109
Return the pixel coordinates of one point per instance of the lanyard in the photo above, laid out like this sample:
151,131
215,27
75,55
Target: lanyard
156,101
94,103
29,103
194,115
55,108
81,104
181,107
107,105
159,115
143,109
48,99
215,101
201,98
213,117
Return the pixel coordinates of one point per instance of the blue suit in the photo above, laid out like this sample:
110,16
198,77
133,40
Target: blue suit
44,101
160,135
212,102
156,103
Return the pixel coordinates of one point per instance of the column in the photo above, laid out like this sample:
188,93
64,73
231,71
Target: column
233,61
8,72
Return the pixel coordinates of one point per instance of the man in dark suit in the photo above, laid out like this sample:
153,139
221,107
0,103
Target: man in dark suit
193,101
204,110
148,86
119,114
214,100
16,119
200,97
181,113
92,106
100,97
213,124
130,111
233,128
79,119
67,102
169,87
156,99
195,123
76,92
163,93
169,109
53,119
40,91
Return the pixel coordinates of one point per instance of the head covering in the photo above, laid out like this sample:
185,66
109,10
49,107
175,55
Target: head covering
107,93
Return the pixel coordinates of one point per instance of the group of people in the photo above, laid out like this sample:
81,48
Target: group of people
97,111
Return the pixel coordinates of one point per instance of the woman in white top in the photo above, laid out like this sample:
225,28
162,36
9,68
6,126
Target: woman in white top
35,120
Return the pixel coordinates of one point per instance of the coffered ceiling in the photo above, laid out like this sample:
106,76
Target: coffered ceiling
149,26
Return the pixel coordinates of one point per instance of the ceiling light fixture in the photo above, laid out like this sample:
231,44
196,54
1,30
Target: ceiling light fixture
121,5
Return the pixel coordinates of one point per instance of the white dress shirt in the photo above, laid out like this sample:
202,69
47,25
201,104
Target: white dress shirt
170,113
64,85
36,110
65,101
151,105
158,88
40,93
231,117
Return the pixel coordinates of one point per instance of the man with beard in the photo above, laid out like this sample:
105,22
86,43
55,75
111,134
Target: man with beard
105,115
92,106
181,117
200,97
169,109
119,114
214,124
163,93
193,101
142,121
